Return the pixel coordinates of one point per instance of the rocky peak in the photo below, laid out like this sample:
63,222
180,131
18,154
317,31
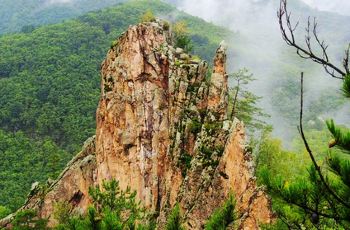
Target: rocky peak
162,129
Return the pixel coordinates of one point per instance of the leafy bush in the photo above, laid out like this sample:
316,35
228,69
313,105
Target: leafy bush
182,38
4,212
148,16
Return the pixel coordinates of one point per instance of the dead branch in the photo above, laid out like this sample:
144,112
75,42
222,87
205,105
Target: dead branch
288,34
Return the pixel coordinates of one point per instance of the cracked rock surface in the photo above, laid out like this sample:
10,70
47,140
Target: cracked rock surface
162,129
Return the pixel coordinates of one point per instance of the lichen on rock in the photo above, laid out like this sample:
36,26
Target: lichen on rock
162,130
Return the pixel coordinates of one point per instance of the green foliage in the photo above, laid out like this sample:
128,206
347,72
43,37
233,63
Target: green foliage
305,202
148,16
166,26
36,95
185,162
24,161
213,127
341,135
62,212
272,156
4,212
243,103
346,86
206,151
340,165
174,219
50,86
23,15
120,206
27,219
220,149
114,44
302,198
294,187
113,208
223,217
318,105
182,38
27,29
195,126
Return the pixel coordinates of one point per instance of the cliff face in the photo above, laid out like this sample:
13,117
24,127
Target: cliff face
162,129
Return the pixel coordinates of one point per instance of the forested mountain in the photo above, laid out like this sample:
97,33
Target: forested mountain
275,66
49,85
25,15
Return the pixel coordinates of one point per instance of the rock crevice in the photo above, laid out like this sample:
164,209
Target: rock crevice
162,129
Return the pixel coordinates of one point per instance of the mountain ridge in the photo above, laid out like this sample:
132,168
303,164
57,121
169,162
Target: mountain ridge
49,81
151,94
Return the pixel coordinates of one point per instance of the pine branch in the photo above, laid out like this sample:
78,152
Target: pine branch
346,86
317,167
341,136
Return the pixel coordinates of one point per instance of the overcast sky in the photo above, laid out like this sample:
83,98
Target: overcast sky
58,1
339,6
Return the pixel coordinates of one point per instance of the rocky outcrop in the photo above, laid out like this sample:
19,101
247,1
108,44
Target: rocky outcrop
71,186
162,129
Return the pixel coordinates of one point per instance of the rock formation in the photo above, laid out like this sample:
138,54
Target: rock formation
162,129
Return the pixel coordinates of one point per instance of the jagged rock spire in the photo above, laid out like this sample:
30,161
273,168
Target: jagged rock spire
218,90
162,130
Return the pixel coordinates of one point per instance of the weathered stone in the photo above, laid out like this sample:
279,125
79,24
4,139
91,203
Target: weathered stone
185,57
163,131
179,51
34,186
75,179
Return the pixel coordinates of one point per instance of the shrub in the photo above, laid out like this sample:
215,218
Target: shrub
61,212
195,127
174,219
28,219
4,211
182,38
148,16
223,216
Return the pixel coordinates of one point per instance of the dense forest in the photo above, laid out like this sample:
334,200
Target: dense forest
25,16
50,87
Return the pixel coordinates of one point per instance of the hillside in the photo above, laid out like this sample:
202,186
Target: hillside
25,15
49,84
276,66
167,124
152,95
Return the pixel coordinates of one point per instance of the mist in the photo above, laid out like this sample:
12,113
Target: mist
58,1
261,49
337,6
258,46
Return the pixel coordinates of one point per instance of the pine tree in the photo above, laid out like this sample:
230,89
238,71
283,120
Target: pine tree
113,208
28,219
243,103
322,199
223,217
